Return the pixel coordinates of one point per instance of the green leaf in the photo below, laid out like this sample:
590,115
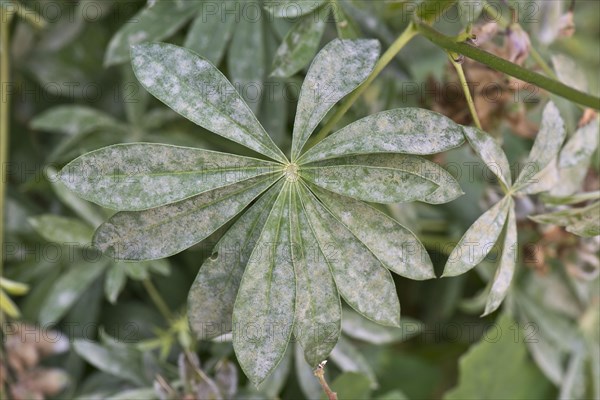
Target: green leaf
402,130
73,120
67,290
246,60
292,8
573,199
357,327
346,27
197,90
506,268
114,282
139,176
349,359
62,230
339,68
478,240
210,32
167,230
152,23
488,149
545,148
318,309
469,10
365,284
212,295
299,46
378,178
580,221
263,314
118,360
304,373
395,246
351,385
485,371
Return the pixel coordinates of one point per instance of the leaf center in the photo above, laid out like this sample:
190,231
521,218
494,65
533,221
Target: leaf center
291,172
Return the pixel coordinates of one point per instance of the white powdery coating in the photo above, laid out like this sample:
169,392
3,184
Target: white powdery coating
167,230
490,152
395,246
336,70
139,176
263,314
405,130
365,284
197,90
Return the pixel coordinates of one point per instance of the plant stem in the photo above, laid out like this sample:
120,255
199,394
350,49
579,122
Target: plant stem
320,374
465,86
509,68
5,17
540,61
385,59
157,299
29,15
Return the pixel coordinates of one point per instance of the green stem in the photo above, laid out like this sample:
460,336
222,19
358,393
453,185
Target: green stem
508,67
5,16
29,15
540,61
385,59
465,86
157,299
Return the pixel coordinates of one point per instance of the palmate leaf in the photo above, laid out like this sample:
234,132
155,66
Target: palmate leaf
491,153
303,242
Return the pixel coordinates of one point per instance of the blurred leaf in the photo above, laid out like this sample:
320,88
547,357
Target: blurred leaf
68,288
73,120
484,371
151,23
580,221
346,356
114,282
350,386
361,328
345,26
306,379
299,46
62,230
291,8
210,32
338,69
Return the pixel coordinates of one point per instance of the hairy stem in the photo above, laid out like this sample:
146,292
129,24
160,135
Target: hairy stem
385,59
158,301
320,374
465,86
507,67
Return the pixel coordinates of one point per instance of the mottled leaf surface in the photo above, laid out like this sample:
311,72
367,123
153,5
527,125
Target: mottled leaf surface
506,267
139,176
197,90
478,240
378,178
167,230
212,295
318,308
580,221
488,149
547,144
402,130
395,246
263,314
298,47
340,67
155,22
291,8
365,284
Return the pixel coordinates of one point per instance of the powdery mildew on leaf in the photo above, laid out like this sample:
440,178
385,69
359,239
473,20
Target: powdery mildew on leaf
318,308
197,90
212,295
395,246
478,240
152,23
263,313
506,268
167,230
488,149
547,144
340,67
378,178
402,130
139,176
298,46
365,284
